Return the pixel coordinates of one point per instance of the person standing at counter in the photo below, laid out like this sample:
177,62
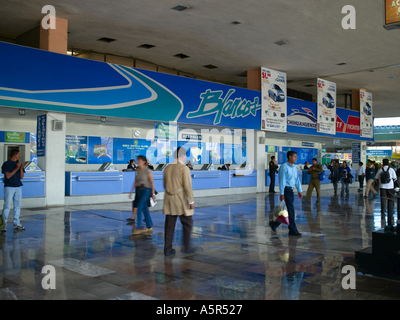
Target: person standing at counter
273,169
315,170
178,201
13,172
144,186
288,179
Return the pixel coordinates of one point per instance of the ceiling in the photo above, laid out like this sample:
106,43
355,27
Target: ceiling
316,41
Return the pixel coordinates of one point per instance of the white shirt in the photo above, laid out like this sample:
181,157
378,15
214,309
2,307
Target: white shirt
393,176
361,171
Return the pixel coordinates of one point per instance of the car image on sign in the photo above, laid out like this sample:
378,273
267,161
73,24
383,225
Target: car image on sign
276,93
328,101
367,109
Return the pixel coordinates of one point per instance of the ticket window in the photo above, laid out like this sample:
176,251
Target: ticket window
8,149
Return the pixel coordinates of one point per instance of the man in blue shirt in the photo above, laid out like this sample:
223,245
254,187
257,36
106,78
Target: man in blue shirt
288,179
13,172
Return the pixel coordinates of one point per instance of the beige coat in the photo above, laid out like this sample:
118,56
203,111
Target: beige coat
178,190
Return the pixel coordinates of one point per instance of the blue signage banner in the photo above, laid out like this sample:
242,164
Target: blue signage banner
303,155
356,152
379,153
41,136
127,149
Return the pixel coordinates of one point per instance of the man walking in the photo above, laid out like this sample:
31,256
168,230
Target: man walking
288,179
361,174
386,177
345,174
13,172
315,170
370,176
178,201
272,171
335,177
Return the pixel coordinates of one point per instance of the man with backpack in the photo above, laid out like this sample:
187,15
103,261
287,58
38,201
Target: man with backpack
345,176
315,182
386,177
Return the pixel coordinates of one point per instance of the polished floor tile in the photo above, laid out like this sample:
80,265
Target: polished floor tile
96,257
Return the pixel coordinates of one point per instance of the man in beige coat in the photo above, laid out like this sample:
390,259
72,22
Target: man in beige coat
178,201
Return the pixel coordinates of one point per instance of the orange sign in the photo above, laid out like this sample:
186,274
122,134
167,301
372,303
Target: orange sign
392,11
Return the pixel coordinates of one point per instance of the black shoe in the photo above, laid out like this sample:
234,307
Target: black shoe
297,234
169,253
130,219
272,227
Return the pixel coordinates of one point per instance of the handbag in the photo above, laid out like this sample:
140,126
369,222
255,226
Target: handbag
280,213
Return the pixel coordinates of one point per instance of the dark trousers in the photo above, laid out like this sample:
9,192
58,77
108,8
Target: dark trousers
361,181
289,199
169,229
387,193
272,184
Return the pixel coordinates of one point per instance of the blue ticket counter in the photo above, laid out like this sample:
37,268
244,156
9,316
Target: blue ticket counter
93,183
33,185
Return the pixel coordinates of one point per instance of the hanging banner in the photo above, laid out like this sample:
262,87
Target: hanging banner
326,102
366,115
274,101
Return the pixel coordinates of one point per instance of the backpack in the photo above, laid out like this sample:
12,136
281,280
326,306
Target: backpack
385,176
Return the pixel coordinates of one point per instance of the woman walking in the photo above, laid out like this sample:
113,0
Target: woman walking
144,186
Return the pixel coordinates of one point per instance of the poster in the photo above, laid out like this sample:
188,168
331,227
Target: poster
213,153
127,149
41,136
100,150
165,151
274,100
231,153
326,102
167,131
366,115
76,149
196,151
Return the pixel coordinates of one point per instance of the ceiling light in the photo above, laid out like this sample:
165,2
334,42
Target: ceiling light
179,8
107,40
210,66
146,46
281,42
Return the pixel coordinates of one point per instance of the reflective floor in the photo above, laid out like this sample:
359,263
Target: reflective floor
95,256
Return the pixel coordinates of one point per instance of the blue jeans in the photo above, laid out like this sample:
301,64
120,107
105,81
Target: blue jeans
12,195
345,184
142,195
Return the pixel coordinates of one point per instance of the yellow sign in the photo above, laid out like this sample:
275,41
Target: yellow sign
392,11
396,156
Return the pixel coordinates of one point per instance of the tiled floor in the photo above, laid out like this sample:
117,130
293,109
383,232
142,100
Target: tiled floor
95,255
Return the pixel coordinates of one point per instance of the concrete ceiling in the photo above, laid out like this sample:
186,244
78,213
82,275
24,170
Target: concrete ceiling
313,29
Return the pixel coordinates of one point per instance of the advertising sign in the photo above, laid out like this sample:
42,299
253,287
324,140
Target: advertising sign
41,136
16,137
76,149
100,150
196,152
274,100
166,131
356,152
366,115
392,14
214,152
326,102
165,151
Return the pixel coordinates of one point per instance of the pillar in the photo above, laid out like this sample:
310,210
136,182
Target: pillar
254,79
55,40
53,161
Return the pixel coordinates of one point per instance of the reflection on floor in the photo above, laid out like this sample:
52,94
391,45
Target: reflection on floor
95,255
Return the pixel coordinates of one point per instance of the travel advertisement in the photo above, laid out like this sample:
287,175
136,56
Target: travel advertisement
274,100
326,102
366,115
76,149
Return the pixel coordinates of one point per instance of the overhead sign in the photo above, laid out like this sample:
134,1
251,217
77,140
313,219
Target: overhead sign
41,136
379,153
326,104
392,14
274,100
356,152
366,115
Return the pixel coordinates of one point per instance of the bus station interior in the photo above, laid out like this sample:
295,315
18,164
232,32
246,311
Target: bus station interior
75,216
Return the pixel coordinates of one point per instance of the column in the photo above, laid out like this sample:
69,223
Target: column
53,161
55,40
